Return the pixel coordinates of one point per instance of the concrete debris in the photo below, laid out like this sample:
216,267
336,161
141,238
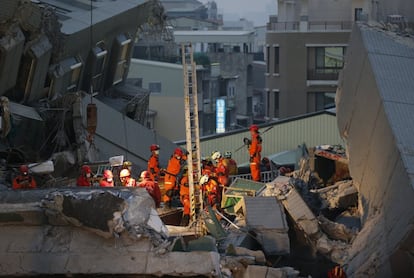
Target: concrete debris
336,231
271,229
244,266
258,255
257,271
340,195
107,213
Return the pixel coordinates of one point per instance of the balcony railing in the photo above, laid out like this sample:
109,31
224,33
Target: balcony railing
323,74
283,26
311,26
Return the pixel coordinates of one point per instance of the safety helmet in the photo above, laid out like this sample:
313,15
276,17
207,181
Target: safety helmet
145,175
108,174
203,179
154,147
216,155
127,163
24,169
178,151
227,154
86,169
124,173
254,127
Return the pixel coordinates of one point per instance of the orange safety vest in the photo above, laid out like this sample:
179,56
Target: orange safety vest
153,167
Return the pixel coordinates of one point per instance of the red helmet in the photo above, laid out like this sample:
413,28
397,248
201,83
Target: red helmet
154,147
254,127
124,173
145,175
24,169
178,151
86,169
108,174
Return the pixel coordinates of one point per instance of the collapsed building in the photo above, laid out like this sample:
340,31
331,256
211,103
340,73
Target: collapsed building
69,231
60,63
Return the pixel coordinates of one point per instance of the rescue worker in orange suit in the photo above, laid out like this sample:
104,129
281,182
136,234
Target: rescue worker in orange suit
221,169
337,272
221,173
24,180
126,179
207,167
153,163
230,163
107,179
171,173
185,197
255,150
85,177
151,186
211,189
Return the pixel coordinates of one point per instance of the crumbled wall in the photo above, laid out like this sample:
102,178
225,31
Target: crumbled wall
375,157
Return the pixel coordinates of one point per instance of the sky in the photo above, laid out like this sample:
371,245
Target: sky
257,11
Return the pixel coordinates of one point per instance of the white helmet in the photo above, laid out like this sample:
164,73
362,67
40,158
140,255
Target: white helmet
216,156
203,179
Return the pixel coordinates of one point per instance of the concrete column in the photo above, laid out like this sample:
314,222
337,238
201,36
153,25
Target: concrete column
303,25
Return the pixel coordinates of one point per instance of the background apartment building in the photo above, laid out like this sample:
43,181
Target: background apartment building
227,74
305,47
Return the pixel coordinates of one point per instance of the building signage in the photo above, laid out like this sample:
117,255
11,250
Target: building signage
220,115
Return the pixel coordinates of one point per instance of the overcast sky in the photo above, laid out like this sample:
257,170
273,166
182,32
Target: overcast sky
257,11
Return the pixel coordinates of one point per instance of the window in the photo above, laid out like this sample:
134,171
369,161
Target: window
124,44
276,104
276,59
154,87
329,59
98,66
358,14
321,101
273,104
74,74
325,63
267,59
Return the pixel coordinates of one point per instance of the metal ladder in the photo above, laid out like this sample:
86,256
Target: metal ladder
192,130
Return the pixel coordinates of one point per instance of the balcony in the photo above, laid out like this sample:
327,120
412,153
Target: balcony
323,74
311,26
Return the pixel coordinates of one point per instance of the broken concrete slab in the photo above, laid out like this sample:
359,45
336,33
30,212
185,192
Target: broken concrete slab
45,250
336,231
258,255
257,271
106,212
271,229
79,244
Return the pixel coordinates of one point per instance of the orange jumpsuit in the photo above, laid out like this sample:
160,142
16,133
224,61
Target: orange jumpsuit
185,195
212,191
154,167
173,168
129,182
255,150
222,172
153,190
24,182
105,183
